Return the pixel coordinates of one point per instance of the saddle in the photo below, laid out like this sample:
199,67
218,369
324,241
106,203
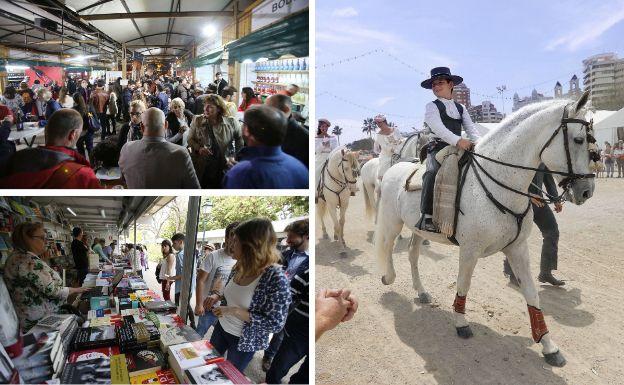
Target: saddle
447,189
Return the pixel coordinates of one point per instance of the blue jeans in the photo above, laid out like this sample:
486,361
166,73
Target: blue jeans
293,348
226,342
205,322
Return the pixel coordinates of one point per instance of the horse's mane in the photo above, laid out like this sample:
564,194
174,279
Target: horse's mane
511,122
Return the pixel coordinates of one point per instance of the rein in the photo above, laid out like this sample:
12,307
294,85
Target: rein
342,184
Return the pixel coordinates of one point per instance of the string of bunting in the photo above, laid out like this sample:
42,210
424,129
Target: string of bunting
402,62
363,107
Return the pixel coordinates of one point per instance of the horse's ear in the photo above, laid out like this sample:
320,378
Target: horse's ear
582,101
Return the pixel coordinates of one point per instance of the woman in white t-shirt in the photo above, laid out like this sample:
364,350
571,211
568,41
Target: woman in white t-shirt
256,297
167,264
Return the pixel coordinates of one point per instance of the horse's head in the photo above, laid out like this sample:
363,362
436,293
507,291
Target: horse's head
351,162
572,150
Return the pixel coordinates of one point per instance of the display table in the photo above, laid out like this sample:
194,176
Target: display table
31,129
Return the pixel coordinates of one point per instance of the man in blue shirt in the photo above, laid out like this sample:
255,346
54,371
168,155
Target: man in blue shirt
177,241
263,164
296,262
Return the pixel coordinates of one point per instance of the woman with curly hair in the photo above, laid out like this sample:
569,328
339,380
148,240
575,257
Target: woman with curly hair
256,297
209,139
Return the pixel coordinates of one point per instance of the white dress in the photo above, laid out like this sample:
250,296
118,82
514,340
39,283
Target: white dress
324,146
386,146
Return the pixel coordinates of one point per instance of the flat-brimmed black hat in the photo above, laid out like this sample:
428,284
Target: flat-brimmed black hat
441,73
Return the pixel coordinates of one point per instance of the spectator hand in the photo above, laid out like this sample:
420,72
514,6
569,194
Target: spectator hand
231,162
210,301
330,310
221,311
199,309
353,302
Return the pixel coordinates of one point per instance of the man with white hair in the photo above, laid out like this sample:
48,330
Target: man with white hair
153,162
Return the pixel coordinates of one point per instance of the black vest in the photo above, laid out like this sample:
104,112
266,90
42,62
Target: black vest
453,125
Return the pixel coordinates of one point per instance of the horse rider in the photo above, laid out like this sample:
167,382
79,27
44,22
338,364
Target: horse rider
387,143
324,145
445,118
547,223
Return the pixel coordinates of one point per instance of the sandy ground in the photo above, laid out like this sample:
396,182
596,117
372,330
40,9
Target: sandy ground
395,339
254,370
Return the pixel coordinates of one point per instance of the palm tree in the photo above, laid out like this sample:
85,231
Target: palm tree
369,127
337,130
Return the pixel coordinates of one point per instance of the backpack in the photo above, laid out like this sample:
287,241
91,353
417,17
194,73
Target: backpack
94,122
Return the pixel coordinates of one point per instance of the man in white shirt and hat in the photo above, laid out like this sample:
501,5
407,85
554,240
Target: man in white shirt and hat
446,118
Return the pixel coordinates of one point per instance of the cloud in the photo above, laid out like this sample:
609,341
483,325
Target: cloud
383,101
353,33
589,32
345,12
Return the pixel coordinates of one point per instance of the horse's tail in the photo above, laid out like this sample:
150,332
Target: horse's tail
369,199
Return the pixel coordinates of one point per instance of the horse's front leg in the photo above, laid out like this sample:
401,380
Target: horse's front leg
321,205
331,208
341,222
518,256
467,262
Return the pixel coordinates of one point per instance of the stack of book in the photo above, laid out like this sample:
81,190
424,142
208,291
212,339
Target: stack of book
190,355
8,373
62,328
165,376
94,337
160,306
36,363
93,371
220,373
142,361
137,335
177,335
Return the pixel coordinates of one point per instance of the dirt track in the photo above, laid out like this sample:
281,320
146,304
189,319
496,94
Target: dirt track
395,339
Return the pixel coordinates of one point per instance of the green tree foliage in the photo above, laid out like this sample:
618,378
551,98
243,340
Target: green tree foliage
226,210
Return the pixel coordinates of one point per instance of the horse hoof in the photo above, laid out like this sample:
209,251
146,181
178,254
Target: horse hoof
555,359
399,237
464,332
424,297
335,237
383,280
426,242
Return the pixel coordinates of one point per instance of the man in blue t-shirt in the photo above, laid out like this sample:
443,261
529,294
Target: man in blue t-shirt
262,163
177,242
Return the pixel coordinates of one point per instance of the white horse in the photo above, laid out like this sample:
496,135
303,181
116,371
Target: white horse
550,132
408,152
337,180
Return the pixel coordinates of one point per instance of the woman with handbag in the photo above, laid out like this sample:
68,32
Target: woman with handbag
86,137
210,137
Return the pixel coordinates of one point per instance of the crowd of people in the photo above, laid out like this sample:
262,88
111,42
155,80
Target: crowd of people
172,134
246,290
612,157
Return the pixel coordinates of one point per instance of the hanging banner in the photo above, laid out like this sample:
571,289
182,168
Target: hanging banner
275,10
44,74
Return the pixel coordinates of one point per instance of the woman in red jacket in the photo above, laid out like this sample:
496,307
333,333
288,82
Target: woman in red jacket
249,98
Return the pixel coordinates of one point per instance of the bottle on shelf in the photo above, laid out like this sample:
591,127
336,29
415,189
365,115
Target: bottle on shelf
298,65
305,65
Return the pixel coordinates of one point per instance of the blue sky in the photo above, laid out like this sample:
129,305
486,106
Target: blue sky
521,44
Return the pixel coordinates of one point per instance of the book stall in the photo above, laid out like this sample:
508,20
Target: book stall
118,332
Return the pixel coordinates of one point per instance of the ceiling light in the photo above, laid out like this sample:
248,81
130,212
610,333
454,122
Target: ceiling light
209,30
247,61
71,211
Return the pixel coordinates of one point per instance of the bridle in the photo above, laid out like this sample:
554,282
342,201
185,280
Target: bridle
342,184
569,177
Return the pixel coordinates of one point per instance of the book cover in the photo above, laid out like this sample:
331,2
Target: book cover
192,354
119,369
144,360
37,350
91,354
160,306
95,371
177,335
155,377
96,336
219,373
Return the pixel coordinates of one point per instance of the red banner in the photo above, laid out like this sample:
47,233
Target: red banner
45,75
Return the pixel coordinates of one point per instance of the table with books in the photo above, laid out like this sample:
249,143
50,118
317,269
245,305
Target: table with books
130,336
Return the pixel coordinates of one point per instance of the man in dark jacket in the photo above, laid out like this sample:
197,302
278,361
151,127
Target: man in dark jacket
126,99
219,83
547,223
55,165
297,141
80,254
183,91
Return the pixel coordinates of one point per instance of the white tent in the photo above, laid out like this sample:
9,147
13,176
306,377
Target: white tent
218,236
609,129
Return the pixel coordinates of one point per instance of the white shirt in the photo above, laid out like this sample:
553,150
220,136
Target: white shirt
434,122
239,296
388,144
326,145
218,265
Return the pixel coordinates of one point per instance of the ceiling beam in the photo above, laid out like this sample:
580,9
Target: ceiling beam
93,5
155,15
158,34
156,45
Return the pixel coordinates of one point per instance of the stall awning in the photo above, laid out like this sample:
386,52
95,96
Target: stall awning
204,60
289,36
42,63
